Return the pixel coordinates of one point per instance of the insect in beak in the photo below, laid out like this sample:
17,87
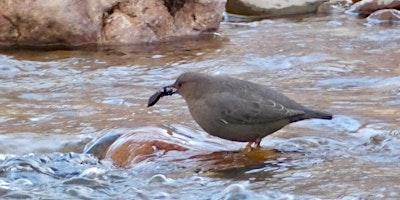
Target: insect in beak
166,91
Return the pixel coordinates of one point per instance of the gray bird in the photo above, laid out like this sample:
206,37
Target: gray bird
235,109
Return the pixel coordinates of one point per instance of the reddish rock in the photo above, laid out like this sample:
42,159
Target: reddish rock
384,16
156,145
76,22
367,7
143,144
226,160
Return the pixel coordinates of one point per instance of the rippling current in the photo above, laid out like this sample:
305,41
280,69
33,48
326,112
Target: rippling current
56,104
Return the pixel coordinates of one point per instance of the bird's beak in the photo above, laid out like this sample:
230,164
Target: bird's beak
169,90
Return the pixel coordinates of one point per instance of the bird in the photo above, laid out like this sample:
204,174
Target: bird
236,109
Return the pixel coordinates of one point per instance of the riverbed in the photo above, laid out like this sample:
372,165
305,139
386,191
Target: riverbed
54,103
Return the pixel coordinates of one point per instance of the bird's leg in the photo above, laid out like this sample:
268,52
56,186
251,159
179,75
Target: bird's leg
257,142
248,146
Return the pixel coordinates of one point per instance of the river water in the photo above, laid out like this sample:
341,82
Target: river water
55,103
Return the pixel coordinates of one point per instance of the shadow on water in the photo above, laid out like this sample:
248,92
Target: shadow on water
178,48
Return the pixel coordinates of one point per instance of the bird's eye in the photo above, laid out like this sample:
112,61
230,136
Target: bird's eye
179,84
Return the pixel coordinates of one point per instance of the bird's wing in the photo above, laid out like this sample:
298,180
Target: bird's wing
248,110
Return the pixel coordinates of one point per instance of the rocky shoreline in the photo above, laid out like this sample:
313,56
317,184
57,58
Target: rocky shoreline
115,22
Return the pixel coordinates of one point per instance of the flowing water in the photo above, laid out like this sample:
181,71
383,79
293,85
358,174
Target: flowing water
55,103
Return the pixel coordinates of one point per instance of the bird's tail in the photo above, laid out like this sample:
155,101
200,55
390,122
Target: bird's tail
318,114
311,114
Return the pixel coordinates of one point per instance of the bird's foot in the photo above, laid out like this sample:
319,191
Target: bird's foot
249,147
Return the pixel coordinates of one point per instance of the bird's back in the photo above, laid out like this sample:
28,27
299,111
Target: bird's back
260,93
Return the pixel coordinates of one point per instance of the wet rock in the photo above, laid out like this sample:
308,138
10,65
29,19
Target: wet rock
271,8
76,22
158,145
143,144
99,146
367,7
223,161
386,16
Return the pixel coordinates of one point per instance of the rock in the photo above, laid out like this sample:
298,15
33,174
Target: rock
41,22
77,22
153,20
7,30
120,28
99,146
143,144
325,7
220,161
272,8
386,16
367,7
154,146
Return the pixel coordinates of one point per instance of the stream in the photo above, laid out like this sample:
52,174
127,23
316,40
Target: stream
56,103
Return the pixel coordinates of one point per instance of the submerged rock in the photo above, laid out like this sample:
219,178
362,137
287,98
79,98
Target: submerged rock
99,146
77,22
143,144
157,145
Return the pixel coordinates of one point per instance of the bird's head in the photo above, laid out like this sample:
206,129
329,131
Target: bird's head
190,85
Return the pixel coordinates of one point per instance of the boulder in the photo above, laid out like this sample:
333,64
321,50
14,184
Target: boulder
366,7
385,16
154,20
7,30
77,22
41,22
272,8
